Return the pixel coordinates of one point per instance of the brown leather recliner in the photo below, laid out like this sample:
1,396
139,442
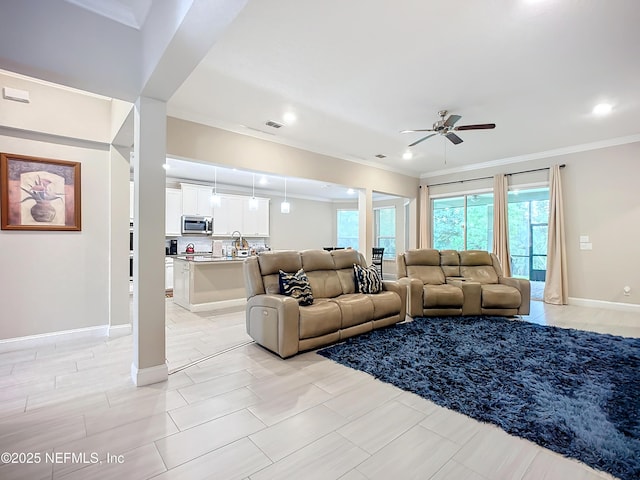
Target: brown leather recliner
280,324
480,288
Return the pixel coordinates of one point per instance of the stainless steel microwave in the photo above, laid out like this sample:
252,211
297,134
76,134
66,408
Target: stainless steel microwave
196,225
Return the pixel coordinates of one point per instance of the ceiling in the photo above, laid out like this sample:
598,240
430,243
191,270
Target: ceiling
357,73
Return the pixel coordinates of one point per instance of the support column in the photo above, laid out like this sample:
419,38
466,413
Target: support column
150,134
365,214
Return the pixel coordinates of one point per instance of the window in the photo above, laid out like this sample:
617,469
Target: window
385,230
463,222
347,229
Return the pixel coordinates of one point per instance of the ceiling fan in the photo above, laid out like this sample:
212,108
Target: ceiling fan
446,128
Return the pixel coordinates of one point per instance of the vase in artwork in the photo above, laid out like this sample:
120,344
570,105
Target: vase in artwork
43,211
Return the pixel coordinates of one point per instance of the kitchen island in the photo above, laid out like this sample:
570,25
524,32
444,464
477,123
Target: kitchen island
204,282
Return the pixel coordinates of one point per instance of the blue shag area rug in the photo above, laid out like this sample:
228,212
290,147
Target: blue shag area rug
574,392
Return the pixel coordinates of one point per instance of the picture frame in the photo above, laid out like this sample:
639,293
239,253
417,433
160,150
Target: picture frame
39,193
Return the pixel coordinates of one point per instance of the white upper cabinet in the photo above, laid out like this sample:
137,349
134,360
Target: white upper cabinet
227,217
255,223
196,199
173,211
234,214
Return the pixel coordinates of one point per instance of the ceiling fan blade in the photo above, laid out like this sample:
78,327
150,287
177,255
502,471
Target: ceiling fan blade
455,139
422,140
481,126
420,130
452,120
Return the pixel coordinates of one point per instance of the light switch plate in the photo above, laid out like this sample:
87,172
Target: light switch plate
584,238
586,246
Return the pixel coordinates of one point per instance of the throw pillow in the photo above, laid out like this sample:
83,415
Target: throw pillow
368,280
296,285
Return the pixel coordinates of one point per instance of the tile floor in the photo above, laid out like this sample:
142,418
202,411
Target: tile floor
71,411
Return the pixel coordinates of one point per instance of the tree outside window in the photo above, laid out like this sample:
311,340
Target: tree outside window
385,230
348,229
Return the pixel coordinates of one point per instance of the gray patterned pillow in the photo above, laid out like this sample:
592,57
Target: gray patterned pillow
296,285
368,280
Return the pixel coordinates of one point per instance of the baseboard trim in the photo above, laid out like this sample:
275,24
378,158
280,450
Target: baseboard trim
619,306
149,375
220,305
33,341
119,330
30,341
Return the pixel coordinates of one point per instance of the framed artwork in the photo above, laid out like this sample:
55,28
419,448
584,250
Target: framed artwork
39,193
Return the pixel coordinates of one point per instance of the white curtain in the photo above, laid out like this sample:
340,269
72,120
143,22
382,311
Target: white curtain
556,288
501,223
424,240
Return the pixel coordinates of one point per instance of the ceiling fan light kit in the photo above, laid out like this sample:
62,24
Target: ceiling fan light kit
447,127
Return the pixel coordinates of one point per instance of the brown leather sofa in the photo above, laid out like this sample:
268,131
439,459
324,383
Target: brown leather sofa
451,282
280,324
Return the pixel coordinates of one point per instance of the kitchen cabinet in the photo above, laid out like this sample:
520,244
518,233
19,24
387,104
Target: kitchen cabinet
131,200
255,223
173,212
181,282
196,199
168,274
227,217
233,214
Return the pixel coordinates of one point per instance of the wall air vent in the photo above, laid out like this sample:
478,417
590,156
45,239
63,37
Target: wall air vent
380,155
273,124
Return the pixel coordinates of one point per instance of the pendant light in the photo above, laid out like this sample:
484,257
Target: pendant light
253,202
285,206
215,199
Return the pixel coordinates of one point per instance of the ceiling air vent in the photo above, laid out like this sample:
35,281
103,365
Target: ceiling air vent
273,124
380,155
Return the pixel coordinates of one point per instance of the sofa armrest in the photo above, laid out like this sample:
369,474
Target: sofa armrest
414,289
472,292
401,290
273,322
524,286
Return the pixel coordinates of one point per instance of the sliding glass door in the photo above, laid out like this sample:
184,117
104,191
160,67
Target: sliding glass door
528,217
463,222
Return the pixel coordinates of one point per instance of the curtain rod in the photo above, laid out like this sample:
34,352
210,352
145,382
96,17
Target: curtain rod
486,178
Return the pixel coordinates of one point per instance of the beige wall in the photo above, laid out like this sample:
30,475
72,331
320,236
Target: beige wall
200,142
308,225
57,281
601,200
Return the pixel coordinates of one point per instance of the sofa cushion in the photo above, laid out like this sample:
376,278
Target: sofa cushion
296,285
344,260
422,256
481,273
355,308
368,279
385,304
325,283
450,263
321,318
426,274
500,296
442,296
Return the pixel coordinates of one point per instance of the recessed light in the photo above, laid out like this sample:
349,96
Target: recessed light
602,109
289,117
408,155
